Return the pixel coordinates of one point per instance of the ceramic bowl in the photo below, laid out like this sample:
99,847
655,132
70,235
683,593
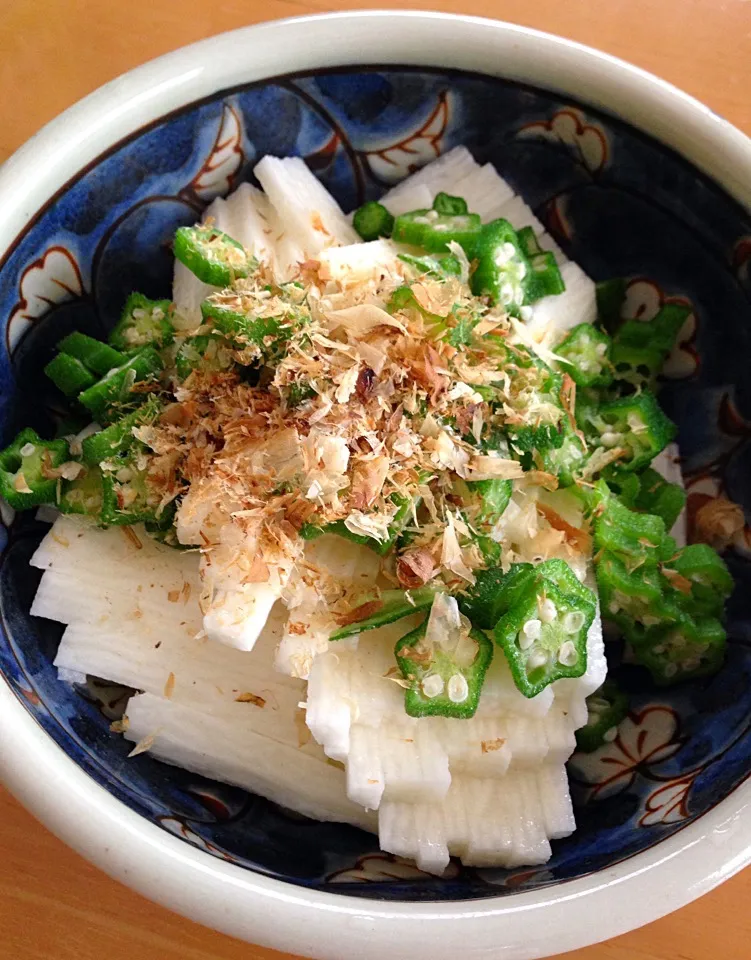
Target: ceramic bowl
634,179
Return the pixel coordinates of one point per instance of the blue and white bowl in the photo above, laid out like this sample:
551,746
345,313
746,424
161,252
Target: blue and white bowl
634,179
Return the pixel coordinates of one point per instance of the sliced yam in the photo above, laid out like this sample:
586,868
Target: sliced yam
350,566
415,766
405,198
554,316
79,548
303,206
70,676
477,747
238,616
355,709
438,176
365,774
555,800
68,599
360,262
194,671
485,191
501,697
305,637
220,749
488,823
250,217
416,832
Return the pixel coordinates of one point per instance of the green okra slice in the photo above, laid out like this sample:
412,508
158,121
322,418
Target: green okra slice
203,352
606,708
69,375
84,495
113,394
494,592
544,636
372,220
213,256
433,231
502,266
637,426
439,266
96,356
451,206
587,352
637,537
655,495
444,680
118,437
143,323
25,468
391,605
684,651
707,577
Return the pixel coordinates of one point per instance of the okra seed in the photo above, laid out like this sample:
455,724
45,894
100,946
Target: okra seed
601,349
670,669
610,735
432,686
458,688
573,621
610,438
635,422
27,449
548,611
567,655
537,659
529,633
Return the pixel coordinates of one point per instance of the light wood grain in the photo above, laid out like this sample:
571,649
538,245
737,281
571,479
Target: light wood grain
54,905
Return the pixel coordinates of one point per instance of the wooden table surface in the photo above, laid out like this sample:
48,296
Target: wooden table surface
54,905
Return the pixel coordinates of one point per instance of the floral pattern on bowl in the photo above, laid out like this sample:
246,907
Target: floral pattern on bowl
621,205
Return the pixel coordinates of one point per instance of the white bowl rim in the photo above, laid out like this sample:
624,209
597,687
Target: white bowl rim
222,895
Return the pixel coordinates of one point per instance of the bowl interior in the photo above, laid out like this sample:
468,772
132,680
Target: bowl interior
621,205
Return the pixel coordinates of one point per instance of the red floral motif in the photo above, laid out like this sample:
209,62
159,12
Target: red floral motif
571,128
644,739
669,803
322,158
30,695
643,299
392,163
226,158
378,867
181,829
526,878
556,218
52,279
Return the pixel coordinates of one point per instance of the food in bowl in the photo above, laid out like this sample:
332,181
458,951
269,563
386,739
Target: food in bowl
368,486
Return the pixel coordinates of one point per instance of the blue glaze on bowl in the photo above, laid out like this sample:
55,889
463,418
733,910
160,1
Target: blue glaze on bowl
621,205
